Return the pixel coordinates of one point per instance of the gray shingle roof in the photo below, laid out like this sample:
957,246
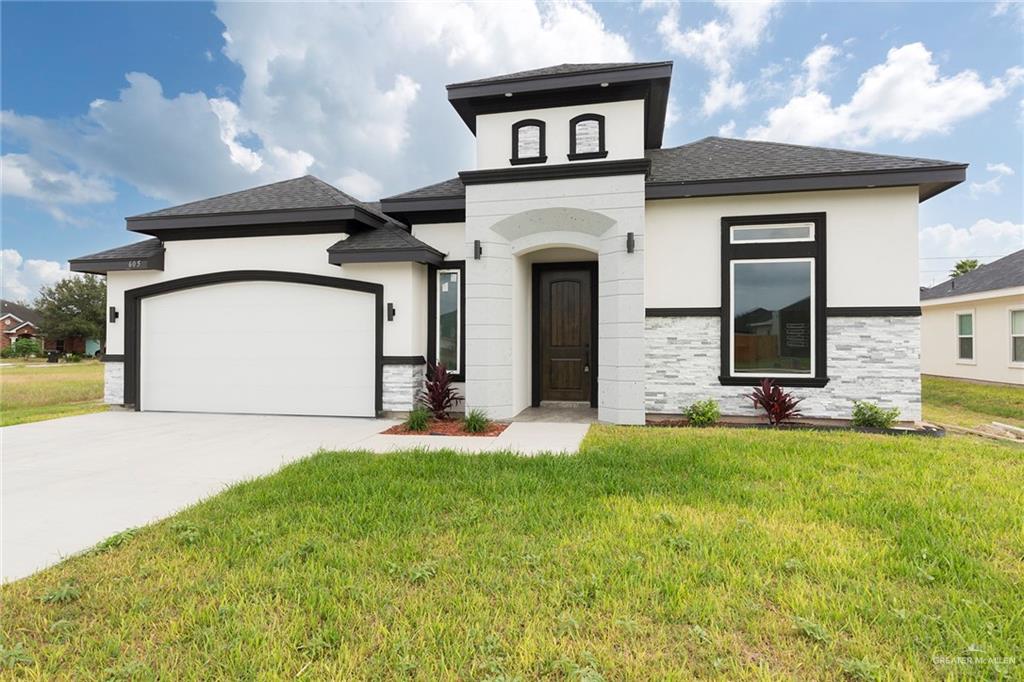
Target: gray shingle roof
452,188
23,313
306,192
722,158
557,70
1004,273
383,244
143,249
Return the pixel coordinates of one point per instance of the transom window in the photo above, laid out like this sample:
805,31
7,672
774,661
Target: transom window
586,137
760,234
1017,336
773,307
965,336
528,142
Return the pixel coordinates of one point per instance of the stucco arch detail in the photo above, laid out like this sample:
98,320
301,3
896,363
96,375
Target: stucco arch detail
553,227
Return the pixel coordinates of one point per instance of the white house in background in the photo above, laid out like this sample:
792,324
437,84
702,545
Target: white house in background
972,326
579,261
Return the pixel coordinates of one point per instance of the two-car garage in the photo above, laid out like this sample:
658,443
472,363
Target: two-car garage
255,342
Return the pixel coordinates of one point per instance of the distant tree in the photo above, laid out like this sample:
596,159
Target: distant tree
74,307
964,266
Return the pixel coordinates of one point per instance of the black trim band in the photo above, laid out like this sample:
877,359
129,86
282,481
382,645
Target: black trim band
133,316
875,311
795,381
107,357
683,312
404,360
556,172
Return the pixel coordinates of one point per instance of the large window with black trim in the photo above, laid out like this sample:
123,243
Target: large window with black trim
773,299
446,327
528,143
586,137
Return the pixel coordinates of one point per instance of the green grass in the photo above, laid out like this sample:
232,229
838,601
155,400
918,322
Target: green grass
33,391
968,404
654,554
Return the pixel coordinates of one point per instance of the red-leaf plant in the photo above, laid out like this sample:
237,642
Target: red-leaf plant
438,395
779,403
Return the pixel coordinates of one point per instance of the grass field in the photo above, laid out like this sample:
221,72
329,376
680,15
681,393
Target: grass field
33,391
654,554
963,403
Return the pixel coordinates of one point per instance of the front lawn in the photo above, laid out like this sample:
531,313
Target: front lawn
654,554
970,404
33,391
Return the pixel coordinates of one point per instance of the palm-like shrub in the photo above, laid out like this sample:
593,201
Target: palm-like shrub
438,395
779,404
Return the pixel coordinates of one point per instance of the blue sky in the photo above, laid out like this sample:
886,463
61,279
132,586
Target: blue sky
113,109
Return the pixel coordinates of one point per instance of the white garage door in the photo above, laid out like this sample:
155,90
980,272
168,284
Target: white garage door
259,348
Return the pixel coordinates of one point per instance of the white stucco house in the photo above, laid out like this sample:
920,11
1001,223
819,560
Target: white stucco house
972,326
579,262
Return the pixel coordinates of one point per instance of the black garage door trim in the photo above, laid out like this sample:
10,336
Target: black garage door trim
133,315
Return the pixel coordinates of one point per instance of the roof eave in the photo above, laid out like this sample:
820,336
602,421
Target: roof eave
467,98
101,266
930,181
161,226
425,255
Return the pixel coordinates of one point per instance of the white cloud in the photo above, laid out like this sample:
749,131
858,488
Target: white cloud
22,278
727,129
818,66
718,44
359,184
334,90
1003,7
903,98
992,186
942,245
25,177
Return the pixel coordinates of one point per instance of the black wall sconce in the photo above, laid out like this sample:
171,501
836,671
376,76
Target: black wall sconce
391,311
477,249
114,314
630,242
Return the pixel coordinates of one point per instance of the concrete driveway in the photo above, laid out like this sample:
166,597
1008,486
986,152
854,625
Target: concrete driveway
69,483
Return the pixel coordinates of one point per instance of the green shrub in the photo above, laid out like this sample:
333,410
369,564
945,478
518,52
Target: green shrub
418,419
869,414
702,413
476,421
23,348
72,357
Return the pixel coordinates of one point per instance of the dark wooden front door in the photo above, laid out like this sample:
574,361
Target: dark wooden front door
565,316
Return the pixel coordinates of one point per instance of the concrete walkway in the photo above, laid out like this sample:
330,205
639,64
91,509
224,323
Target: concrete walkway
69,483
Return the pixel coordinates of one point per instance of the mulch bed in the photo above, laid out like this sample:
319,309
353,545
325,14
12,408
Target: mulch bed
452,427
817,425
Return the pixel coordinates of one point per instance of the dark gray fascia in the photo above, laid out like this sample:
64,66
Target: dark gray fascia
255,221
556,172
931,181
101,266
559,90
415,255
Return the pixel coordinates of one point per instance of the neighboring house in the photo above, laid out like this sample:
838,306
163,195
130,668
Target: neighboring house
578,262
18,321
973,325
